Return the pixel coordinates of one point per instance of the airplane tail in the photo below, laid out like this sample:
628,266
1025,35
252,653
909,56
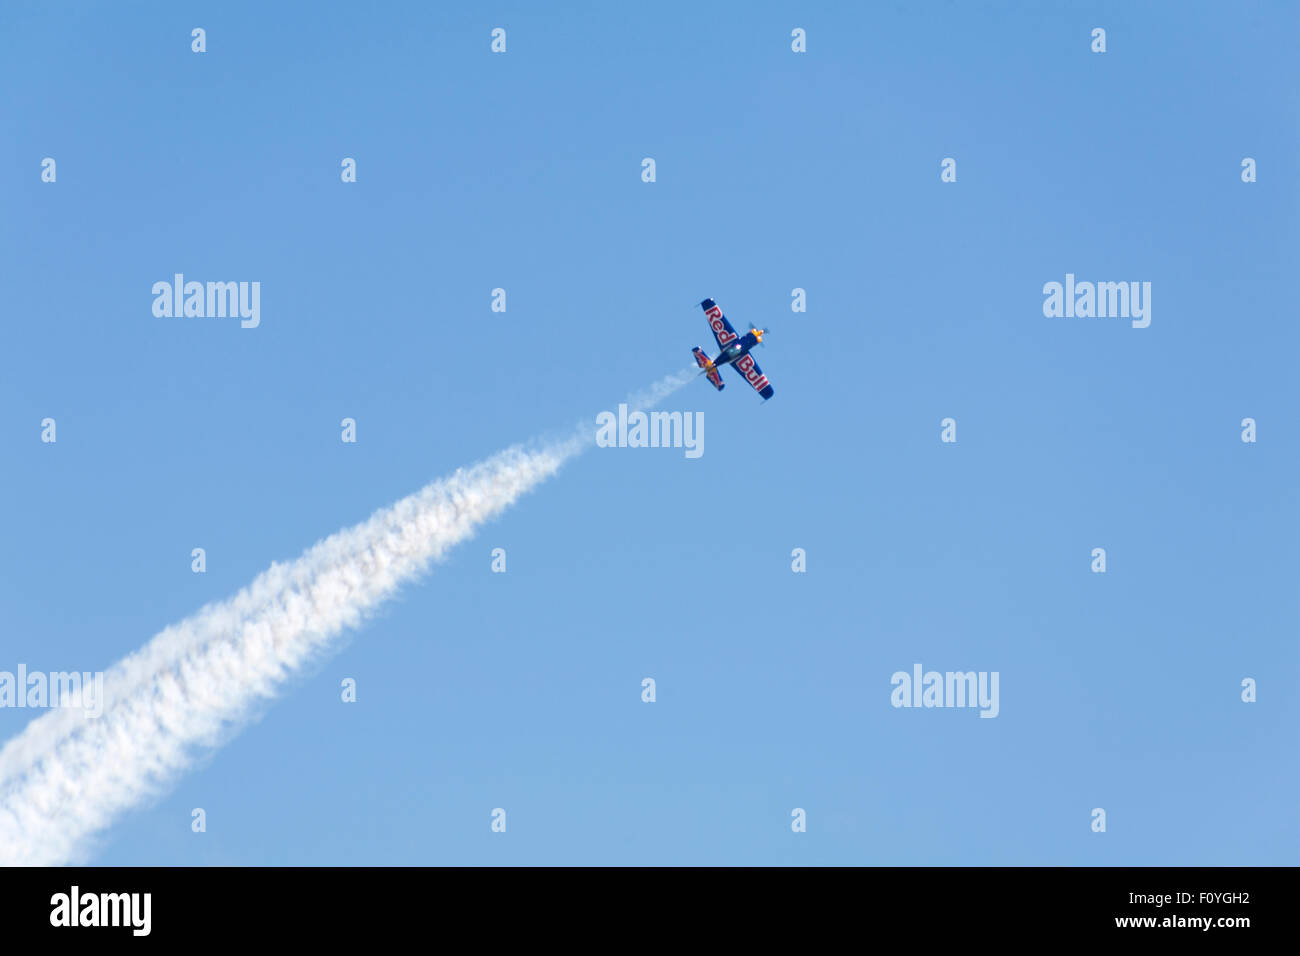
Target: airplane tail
710,370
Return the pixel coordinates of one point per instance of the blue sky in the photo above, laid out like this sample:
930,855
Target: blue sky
775,171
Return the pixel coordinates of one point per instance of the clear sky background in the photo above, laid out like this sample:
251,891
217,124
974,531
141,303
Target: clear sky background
775,170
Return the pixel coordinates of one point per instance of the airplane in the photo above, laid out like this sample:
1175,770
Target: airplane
735,351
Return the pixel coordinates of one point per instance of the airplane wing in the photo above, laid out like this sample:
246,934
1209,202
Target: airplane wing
748,368
722,330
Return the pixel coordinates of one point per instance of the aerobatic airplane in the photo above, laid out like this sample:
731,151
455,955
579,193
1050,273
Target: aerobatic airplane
735,351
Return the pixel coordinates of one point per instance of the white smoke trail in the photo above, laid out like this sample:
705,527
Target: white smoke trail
651,396
66,776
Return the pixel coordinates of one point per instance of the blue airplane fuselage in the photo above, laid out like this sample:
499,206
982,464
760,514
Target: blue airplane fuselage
737,349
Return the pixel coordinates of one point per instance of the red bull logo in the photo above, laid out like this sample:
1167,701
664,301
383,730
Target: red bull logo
746,364
725,335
